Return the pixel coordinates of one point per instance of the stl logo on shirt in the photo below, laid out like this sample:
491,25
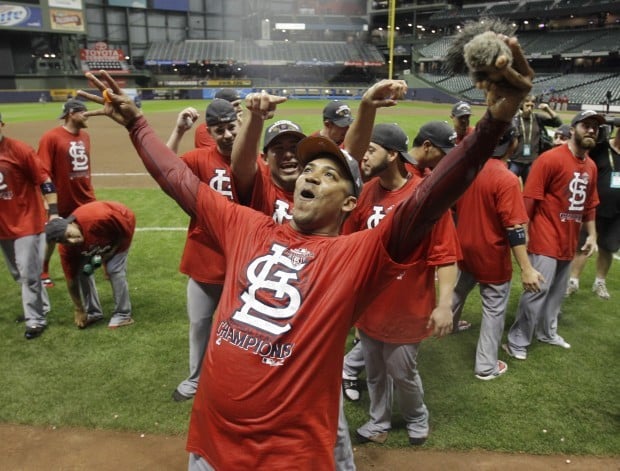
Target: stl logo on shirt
79,158
281,212
3,186
270,277
221,183
577,187
375,218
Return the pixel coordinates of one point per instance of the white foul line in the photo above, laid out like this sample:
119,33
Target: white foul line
160,229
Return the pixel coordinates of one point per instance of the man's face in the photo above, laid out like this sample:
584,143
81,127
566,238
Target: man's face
559,139
238,109
375,160
585,133
281,160
77,119
73,235
323,194
335,133
224,135
527,108
460,123
431,155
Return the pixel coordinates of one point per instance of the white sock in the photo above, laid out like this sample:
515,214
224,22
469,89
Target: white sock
598,280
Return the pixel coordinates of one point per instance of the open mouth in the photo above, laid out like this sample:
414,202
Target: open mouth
307,194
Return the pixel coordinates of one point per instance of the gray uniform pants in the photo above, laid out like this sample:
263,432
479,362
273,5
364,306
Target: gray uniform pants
494,298
538,312
353,362
24,258
202,299
116,268
398,362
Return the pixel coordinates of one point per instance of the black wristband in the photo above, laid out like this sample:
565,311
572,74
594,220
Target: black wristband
52,209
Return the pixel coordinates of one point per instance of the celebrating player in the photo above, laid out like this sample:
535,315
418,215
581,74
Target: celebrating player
293,291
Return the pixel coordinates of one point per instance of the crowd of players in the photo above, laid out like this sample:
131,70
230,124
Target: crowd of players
527,201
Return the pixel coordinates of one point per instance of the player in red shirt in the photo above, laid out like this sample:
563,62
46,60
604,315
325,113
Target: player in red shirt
293,291
65,153
204,287
22,217
392,326
491,221
202,136
337,119
460,116
560,195
95,234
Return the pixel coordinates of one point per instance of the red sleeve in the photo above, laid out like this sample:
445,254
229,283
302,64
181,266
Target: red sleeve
440,190
170,172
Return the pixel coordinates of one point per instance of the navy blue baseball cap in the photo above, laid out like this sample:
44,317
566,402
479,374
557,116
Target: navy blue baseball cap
220,111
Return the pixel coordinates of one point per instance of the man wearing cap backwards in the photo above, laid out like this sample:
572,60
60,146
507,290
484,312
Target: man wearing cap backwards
392,326
293,291
95,234
460,115
272,191
561,135
336,121
202,137
560,195
22,217
65,152
606,156
491,222
204,287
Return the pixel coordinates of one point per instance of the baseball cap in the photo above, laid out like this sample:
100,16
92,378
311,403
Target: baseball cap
313,147
505,141
461,108
338,113
391,137
228,94
585,114
56,228
220,111
563,130
279,128
71,106
440,133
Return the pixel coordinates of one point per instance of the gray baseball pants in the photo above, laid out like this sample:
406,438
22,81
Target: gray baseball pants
202,299
398,362
24,258
538,312
494,298
353,361
116,268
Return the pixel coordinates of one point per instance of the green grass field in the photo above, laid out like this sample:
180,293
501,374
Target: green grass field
558,401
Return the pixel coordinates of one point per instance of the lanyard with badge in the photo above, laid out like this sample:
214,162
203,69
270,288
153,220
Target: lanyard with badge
527,148
615,175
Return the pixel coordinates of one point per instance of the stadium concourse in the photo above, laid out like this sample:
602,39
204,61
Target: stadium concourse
33,448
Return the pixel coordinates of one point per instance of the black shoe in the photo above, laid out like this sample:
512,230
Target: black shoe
20,319
351,389
379,438
178,397
33,332
417,441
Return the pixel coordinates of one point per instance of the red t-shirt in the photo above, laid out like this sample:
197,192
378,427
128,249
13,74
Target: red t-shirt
270,199
493,202
202,137
565,189
66,157
256,349
107,227
21,207
214,169
400,313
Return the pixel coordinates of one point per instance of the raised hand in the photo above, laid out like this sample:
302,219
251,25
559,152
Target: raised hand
385,93
263,104
118,106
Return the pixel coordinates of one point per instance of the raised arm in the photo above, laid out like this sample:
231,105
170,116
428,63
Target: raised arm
382,94
170,172
185,121
505,88
259,107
